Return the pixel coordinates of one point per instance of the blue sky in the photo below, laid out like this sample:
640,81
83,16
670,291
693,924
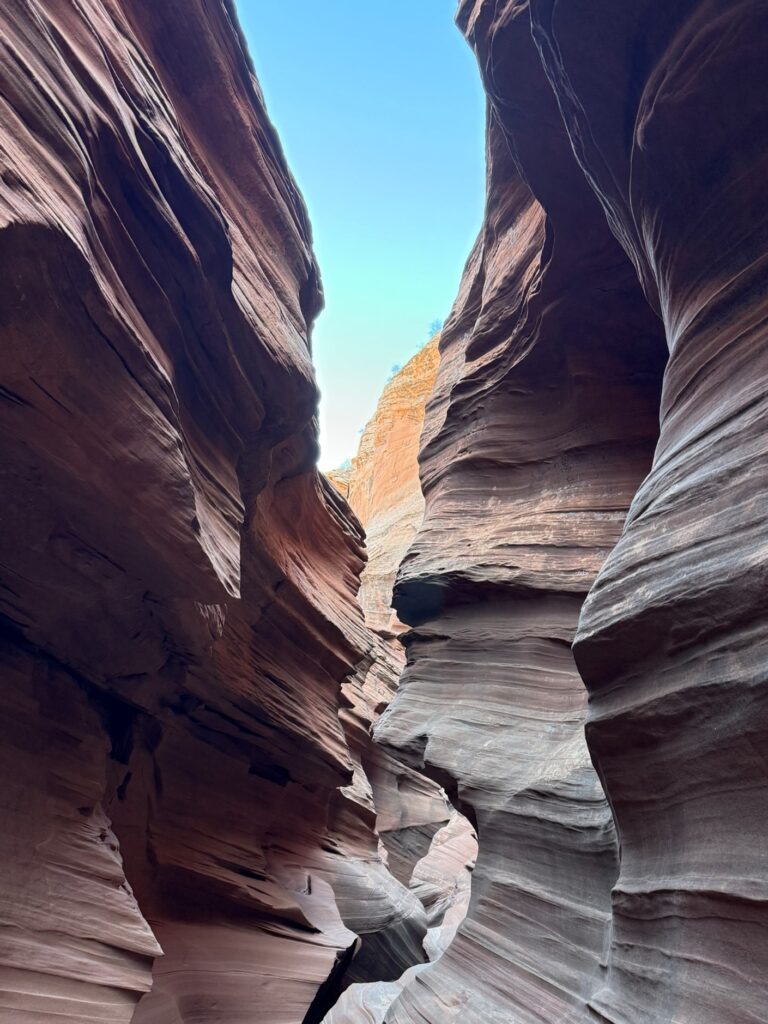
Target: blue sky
381,114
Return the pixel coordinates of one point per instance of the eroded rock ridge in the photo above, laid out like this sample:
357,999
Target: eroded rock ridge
188,823
598,428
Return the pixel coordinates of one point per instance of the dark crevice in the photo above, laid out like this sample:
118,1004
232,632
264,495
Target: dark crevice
329,992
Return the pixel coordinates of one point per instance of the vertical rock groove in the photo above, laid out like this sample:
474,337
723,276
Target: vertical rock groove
554,414
670,639
430,847
188,833
540,429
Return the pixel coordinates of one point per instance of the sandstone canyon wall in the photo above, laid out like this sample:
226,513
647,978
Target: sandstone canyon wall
430,846
670,641
194,824
382,485
177,583
599,422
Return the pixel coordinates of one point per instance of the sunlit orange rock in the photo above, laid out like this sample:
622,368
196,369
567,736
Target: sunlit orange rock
382,482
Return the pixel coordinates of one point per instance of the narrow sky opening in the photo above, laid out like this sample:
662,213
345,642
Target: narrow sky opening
381,113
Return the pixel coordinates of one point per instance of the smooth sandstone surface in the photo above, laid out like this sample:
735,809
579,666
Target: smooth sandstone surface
182,648
670,642
428,845
541,427
561,403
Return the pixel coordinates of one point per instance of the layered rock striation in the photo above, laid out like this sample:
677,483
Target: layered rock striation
597,423
670,642
428,845
177,582
196,826
541,427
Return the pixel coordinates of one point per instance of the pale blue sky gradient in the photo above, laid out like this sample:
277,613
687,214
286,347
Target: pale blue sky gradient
379,108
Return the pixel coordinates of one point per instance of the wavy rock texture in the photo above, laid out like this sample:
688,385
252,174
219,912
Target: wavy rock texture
540,429
177,583
382,487
442,882
428,846
671,640
382,483
379,809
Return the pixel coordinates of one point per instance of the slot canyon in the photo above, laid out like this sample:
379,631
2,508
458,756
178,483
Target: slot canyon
473,730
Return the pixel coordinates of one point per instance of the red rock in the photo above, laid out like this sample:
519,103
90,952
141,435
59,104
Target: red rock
190,685
425,844
541,426
646,119
669,641
178,583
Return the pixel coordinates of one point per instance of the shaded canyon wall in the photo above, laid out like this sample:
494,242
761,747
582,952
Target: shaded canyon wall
430,846
188,829
597,429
